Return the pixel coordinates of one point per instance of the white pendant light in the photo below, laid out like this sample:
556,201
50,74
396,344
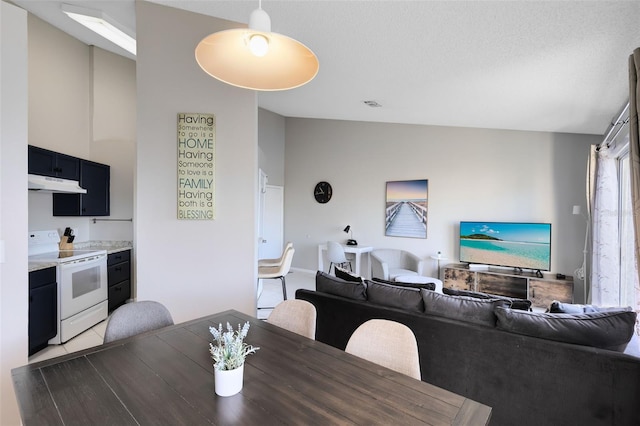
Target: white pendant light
255,58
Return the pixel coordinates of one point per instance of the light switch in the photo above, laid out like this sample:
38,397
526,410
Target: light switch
2,251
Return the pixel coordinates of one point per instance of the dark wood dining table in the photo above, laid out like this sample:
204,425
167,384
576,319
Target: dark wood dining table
166,377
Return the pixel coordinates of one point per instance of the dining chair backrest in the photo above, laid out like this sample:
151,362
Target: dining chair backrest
280,271
298,316
335,252
387,343
276,261
286,262
135,318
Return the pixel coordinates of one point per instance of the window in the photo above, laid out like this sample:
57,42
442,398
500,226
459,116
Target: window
628,280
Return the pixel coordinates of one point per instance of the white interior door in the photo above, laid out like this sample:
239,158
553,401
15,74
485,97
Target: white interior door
272,223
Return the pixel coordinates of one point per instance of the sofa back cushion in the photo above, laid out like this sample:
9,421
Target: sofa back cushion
574,308
607,330
329,284
463,308
406,298
514,302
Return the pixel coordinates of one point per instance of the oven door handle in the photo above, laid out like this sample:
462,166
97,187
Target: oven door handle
84,261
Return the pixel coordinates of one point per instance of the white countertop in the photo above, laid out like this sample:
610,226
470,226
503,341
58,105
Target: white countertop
109,246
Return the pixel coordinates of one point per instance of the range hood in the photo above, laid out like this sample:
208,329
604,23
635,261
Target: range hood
56,185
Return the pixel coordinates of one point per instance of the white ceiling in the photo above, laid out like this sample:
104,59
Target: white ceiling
558,66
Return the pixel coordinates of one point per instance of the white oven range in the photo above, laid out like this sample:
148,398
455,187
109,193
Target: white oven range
82,283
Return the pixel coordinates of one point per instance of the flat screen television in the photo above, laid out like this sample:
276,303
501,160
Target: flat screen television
511,244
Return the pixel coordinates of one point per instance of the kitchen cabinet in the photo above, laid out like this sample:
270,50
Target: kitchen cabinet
119,278
95,178
43,308
49,163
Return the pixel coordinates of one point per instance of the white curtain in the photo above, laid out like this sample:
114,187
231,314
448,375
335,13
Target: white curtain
634,150
605,262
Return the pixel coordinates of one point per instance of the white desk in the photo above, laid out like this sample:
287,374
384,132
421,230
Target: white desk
355,250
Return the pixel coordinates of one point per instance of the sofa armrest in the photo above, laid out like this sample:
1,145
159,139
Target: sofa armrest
379,268
413,262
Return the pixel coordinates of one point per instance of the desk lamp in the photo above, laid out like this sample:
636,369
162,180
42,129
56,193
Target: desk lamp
350,241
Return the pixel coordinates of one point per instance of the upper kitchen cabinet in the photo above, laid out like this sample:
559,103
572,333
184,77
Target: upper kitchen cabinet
49,163
95,178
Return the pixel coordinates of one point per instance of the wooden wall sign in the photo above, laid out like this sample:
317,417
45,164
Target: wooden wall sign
196,166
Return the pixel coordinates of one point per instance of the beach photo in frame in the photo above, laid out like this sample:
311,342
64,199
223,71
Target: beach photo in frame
406,208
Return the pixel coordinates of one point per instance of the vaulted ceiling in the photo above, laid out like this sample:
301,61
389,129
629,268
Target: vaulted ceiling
558,66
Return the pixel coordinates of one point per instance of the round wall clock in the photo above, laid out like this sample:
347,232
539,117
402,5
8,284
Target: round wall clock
323,192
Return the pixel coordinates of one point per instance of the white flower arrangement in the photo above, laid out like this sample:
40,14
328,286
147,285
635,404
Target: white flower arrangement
229,350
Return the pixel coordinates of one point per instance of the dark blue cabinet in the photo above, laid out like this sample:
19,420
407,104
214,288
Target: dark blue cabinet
119,278
95,178
43,308
49,163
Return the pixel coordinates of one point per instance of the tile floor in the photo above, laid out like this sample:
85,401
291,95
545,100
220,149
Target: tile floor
92,337
271,296
272,290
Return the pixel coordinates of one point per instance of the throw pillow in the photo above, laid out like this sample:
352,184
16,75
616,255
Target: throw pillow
394,296
462,308
326,283
606,330
428,286
515,302
346,275
574,308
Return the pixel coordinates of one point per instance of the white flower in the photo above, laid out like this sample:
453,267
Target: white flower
229,350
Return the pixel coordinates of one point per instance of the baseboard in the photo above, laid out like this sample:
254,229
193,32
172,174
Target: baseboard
306,271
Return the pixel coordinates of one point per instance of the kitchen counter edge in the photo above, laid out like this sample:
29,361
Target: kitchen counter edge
109,246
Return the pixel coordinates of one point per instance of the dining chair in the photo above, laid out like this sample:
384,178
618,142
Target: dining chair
135,318
336,255
298,316
276,261
386,343
280,271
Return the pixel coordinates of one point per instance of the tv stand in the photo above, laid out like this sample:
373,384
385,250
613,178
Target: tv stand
510,282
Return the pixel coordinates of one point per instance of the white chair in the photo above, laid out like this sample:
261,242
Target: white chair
276,261
336,255
387,343
298,316
391,263
280,271
135,318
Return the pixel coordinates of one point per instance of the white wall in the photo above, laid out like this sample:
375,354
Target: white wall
14,287
474,174
82,102
194,267
113,139
59,110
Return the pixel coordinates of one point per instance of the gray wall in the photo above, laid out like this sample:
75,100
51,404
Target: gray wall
474,174
271,145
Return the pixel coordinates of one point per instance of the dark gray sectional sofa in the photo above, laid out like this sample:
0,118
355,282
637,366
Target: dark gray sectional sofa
526,380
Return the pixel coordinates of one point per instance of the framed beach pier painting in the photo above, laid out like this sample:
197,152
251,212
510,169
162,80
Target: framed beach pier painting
406,208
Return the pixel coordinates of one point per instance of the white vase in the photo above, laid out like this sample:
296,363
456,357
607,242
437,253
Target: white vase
228,382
